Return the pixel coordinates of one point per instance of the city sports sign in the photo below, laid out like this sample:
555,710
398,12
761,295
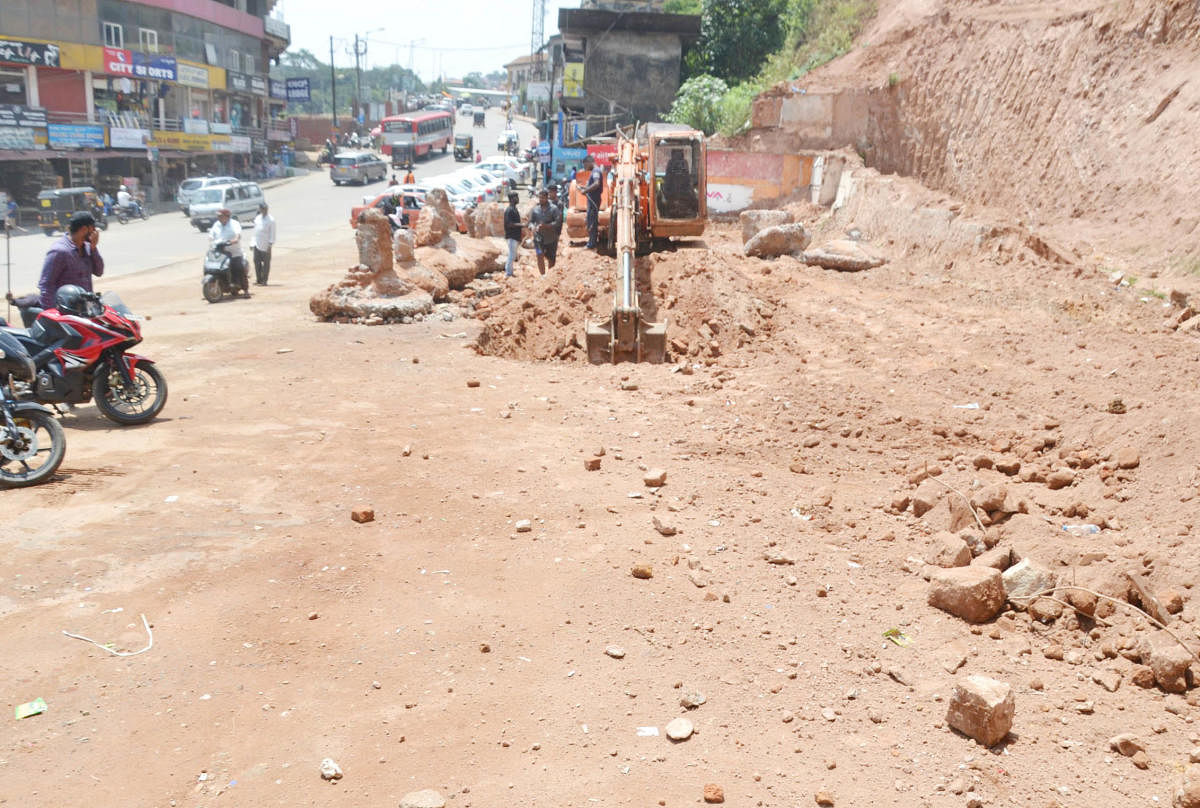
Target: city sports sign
135,65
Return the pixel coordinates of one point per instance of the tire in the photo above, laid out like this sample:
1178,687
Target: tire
43,429
102,223
211,289
145,215
126,410
48,231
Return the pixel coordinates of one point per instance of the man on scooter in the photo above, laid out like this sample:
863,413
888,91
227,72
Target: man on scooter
228,231
126,202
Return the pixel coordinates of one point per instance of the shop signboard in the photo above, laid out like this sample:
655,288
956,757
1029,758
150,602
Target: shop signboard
277,89
133,64
237,82
19,52
183,141
239,144
18,137
120,137
573,80
537,91
191,76
298,90
195,126
17,115
76,136
258,85
220,128
603,153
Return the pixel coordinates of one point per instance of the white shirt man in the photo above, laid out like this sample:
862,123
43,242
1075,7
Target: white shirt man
264,237
124,200
228,230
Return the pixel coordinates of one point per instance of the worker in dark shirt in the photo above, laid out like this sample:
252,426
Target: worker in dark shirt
512,232
72,259
594,190
545,219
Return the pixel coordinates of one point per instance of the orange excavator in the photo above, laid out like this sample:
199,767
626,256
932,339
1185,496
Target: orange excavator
658,191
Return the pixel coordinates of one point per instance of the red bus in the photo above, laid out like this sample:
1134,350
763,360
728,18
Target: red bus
415,134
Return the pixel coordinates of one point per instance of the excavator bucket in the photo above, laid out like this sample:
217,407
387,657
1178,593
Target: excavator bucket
626,337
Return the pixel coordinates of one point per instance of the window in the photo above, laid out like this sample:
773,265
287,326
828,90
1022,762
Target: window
235,60
148,40
249,64
114,35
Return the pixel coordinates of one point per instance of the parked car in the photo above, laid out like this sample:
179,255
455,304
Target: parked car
466,109
409,199
242,199
483,191
357,166
188,188
508,168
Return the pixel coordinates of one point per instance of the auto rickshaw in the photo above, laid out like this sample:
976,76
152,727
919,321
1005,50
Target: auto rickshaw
402,155
464,148
480,118
56,206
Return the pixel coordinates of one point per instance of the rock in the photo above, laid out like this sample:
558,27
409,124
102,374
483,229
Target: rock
713,793
975,594
982,462
362,515
615,651
1179,298
777,240
844,255
947,550
655,478
990,498
982,708
927,495
663,528
428,798
462,264
1060,479
1126,743
755,221
1142,596
437,221
1141,676
427,280
1141,760
1081,601
779,559
1171,600
692,699
524,525
1025,579
1168,661
1045,610
330,770
591,463
999,557
643,571
486,220
1009,466
1109,680
1188,793
1127,458
680,729
472,382
824,798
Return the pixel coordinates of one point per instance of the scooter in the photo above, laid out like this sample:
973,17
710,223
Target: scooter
32,442
218,275
134,210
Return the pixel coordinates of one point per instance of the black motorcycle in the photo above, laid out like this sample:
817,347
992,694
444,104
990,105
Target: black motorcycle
218,275
135,210
32,442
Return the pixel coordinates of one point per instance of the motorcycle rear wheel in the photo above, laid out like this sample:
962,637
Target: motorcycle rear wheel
211,289
42,438
130,407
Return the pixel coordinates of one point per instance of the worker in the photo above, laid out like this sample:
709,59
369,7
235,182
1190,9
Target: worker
593,190
677,199
512,232
545,219
409,178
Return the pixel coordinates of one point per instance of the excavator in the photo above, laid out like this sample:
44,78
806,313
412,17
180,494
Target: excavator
657,191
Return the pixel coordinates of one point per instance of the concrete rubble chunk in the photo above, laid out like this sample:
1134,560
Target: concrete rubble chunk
1188,793
927,495
680,729
330,770
426,798
1126,743
755,221
982,708
783,239
976,594
1025,579
843,255
947,550
1167,659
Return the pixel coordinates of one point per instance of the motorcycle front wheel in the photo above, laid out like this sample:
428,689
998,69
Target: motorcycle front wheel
137,404
33,453
211,289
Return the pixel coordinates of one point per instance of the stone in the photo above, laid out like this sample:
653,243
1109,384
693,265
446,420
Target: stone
1141,760
990,498
1167,659
680,729
663,528
824,798
982,462
755,221
947,550
463,261
591,463
1141,676
1142,596
1084,602
999,557
1045,610
713,793
427,798
1109,680
524,525
1126,743
1188,793
1127,458
330,770
472,382
615,651
692,699
982,708
1171,600
843,255
437,220
362,515
1060,479
642,571
486,220
975,594
772,242
655,478
1008,465
927,495
427,280
1024,579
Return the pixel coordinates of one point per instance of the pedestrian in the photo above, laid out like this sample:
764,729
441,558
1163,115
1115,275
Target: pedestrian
228,230
545,219
554,198
393,181
10,212
593,191
512,231
264,238
73,259
409,178
478,156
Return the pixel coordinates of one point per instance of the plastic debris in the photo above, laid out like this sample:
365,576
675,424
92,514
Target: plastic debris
35,707
897,636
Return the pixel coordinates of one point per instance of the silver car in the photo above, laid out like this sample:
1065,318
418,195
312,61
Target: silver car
360,167
187,191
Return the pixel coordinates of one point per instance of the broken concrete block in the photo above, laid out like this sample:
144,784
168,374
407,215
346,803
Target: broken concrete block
947,550
926,496
973,593
755,221
982,708
1167,659
1025,579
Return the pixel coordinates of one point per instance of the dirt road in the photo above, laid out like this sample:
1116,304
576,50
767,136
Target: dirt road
440,647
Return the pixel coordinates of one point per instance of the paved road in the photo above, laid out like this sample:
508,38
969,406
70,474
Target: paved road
308,209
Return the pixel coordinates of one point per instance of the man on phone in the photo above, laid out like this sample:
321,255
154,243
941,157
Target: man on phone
72,259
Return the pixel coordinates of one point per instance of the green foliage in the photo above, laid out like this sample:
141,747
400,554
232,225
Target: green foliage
735,107
818,31
474,80
683,6
697,103
736,36
376,82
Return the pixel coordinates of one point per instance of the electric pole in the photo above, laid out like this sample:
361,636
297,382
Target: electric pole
333,82
357,82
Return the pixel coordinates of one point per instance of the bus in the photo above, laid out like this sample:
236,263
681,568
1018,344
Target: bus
415,134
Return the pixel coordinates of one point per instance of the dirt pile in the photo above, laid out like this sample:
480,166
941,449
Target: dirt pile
712,304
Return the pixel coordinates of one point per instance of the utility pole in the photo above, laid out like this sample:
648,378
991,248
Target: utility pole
357,81
333,82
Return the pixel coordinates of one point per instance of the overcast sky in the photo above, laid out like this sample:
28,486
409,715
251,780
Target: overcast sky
455,37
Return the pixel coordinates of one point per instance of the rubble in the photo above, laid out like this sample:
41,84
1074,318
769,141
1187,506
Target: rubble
777,240
947,550
843,255
754,221
1025,579
1167,660
982,708
976,594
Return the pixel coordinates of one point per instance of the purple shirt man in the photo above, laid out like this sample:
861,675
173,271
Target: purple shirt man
72,259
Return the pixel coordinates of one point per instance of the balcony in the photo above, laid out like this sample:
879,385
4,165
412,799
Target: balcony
278,35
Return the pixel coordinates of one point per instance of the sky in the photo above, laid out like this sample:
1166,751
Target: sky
452,37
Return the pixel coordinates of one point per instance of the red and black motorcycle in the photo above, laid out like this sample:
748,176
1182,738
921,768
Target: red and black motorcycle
80,350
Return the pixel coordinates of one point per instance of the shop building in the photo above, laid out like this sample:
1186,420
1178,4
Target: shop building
94,92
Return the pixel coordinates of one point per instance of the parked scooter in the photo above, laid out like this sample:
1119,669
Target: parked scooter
80,350
218,276
32,442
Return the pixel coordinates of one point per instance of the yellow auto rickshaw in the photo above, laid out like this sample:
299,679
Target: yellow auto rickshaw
464,148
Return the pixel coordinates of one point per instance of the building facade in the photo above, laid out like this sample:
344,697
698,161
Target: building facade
142,90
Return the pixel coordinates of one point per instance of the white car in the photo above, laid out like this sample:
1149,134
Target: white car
508,168
494,187
460,195
466,109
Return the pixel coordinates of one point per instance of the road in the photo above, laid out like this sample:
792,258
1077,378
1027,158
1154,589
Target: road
306,209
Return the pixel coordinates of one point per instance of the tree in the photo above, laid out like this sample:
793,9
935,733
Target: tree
474,80
698,103
682,6
736,36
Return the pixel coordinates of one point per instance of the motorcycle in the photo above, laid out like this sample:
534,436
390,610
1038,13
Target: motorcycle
124,214
80,350
218,276
32,442
29,307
